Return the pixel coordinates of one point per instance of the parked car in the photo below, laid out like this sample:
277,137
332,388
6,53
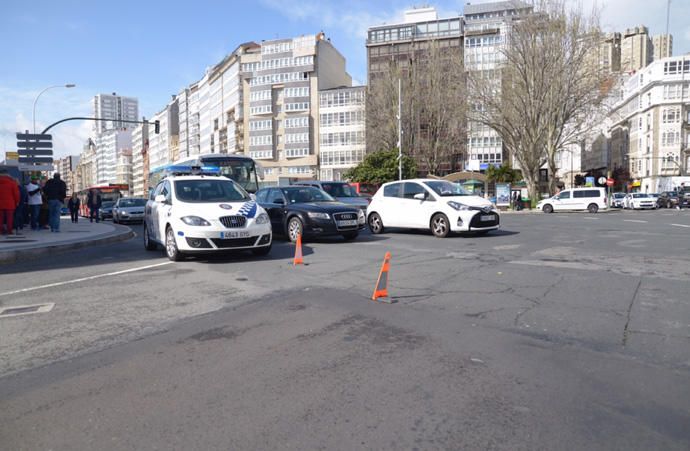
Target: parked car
437,205
667,199
589,199
129,209
106,211
617,200
638,201
309,212
341,191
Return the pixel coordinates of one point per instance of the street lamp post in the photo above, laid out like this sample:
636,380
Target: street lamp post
33,116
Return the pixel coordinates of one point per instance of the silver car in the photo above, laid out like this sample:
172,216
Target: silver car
341,191
129,209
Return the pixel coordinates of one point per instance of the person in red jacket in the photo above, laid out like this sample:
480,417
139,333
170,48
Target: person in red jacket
9,199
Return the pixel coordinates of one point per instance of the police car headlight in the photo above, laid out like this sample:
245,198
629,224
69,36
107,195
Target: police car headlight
316,215
457,206
262,218
195,221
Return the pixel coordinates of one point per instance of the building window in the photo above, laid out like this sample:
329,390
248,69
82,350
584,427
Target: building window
298,106
297,122
671,116
292,138
262,140
299,170
261,154
292,153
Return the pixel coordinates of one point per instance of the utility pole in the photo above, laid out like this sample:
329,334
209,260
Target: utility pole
399,129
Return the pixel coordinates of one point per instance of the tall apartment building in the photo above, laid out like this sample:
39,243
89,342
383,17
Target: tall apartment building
487,27
662,45
116,108
636,49
139,148
281,83
113,149
342,129
610,53
67,168
398,43
653,114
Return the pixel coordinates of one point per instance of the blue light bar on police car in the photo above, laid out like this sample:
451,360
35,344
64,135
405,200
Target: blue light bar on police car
192,170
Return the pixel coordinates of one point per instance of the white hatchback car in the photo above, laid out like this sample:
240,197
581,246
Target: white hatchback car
639,201
199,213
436,205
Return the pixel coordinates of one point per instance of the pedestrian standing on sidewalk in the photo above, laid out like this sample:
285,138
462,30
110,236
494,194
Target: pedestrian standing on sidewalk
681,196
55,191
73,206
9,199
20,212
94,202
43,216
35,201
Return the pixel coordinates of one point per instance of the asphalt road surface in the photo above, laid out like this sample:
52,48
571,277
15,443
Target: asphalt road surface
562,331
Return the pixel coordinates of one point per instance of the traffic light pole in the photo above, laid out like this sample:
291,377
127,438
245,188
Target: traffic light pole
156,124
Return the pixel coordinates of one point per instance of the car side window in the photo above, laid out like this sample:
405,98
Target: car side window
564,195
579,194
261,196
393,190
275,195
412,189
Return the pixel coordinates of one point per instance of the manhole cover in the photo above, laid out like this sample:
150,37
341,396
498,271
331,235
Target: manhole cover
25,310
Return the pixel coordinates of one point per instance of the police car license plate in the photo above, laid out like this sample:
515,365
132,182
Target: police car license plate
487,217
226,235
348,223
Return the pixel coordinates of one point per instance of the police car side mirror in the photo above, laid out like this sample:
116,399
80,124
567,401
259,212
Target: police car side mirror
160,199
252,196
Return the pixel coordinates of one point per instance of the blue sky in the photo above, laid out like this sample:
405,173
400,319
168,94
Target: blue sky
153,49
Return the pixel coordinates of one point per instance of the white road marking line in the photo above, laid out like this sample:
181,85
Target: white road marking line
634,220
83,279
681,225
593,219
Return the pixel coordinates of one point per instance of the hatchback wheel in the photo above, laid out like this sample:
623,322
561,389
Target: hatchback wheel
149,245
375,223
547,208
171,246
440,225
294,229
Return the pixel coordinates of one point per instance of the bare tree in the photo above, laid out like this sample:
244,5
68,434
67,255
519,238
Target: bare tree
547,90
434,107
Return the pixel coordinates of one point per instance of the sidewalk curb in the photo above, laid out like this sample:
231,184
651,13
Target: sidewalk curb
13,256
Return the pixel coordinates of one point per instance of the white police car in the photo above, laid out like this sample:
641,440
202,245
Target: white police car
194,210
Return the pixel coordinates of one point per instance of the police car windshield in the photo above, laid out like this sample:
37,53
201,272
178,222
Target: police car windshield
306,194
209,190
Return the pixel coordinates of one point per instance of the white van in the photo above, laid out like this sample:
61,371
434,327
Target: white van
590,199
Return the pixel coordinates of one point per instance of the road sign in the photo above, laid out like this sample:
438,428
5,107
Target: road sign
34,144
33,136
609,182
11,155
35,151
36,167
601,180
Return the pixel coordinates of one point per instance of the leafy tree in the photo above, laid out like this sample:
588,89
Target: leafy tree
503,174
382,167
579,180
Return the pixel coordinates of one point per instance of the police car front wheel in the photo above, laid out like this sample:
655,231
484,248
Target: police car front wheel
171,246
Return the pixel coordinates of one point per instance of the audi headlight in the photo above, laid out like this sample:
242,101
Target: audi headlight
316,215
457,206
195,221
262,218
360,217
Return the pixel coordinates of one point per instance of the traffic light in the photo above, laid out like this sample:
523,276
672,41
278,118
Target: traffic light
157,127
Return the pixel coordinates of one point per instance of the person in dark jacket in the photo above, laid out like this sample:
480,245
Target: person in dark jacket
20,212
9,199
94,202
73,205
55,192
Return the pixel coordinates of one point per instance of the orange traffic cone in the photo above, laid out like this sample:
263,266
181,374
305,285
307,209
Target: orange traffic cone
298,252
381,290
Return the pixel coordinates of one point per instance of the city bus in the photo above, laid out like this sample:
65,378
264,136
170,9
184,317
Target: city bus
109,193
239,168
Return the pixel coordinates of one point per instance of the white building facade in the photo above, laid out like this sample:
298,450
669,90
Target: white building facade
342,130
654,114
